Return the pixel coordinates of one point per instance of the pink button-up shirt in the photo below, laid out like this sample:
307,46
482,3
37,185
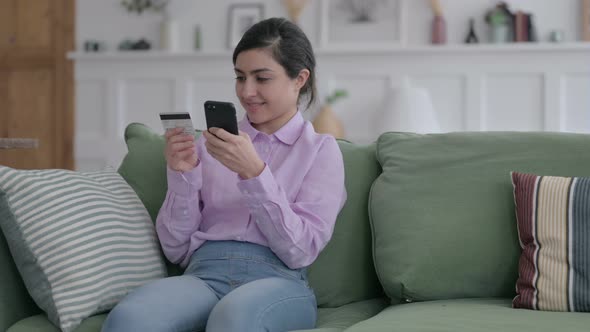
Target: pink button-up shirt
291,207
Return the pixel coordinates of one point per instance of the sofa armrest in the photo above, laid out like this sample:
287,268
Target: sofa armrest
15,302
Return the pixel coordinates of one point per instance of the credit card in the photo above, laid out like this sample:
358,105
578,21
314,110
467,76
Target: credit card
178,120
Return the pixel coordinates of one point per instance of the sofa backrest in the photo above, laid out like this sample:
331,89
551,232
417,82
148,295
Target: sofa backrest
443,213
344,271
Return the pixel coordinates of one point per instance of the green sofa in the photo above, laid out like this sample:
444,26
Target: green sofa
427,240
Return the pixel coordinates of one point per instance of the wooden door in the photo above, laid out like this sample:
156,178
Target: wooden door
36,81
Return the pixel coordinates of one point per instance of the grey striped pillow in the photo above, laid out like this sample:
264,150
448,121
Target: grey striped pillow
81,241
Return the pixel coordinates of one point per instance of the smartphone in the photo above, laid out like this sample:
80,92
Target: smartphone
221,114
173,120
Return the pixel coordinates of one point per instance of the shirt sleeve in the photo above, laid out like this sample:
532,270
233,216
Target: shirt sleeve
180,214
297,232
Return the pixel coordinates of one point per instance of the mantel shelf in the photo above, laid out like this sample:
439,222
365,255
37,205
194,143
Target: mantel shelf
484,49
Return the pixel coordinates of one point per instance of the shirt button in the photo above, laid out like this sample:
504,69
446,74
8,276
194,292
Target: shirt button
239,238
185,212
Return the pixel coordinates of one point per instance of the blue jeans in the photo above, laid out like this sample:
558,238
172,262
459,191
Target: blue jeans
227,286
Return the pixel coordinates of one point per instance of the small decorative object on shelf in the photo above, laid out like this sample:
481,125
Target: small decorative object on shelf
556,36
326,122
197,37
125,45
500,21
471,35
139,45
294,9
94,46
139,6
532,30
169,34
439,25
524,30
586,20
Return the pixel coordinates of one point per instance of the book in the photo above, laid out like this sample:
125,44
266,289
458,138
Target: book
520,27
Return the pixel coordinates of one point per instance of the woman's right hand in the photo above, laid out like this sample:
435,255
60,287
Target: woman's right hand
180,150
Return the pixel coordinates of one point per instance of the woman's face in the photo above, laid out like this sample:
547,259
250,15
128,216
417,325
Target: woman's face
267,94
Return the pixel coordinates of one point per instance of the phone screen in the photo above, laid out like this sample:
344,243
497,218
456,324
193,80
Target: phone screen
221,114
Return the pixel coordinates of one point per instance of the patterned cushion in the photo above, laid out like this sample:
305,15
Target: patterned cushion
81,241
553,216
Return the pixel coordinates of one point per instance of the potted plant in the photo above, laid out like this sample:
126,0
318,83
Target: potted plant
139,6
169,28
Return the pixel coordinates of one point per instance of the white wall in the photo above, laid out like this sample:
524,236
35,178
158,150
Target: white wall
107,20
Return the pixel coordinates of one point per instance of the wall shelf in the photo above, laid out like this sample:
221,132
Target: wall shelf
485,49
462,49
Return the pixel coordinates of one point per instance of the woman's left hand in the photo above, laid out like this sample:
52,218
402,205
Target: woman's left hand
236,152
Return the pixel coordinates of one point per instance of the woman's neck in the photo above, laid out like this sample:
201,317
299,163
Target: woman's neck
273,125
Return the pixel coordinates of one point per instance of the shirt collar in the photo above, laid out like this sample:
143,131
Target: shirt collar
287,134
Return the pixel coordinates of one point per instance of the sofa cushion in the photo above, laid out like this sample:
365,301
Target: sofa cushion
347,315
81,241
443,213
344,271
553,216
347,255
329,319
470,315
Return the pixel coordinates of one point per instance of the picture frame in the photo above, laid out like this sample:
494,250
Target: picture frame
371,24
241,16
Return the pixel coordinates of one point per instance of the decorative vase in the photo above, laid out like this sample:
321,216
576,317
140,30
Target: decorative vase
197,37
439,25
294,9
326,122
169,35
586,20
439,30
500,33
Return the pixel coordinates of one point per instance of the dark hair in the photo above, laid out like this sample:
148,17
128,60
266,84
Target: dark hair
289,46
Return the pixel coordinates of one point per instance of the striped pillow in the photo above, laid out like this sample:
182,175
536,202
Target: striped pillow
553,216
81,241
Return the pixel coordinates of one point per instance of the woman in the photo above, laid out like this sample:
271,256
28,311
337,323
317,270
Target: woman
246,214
